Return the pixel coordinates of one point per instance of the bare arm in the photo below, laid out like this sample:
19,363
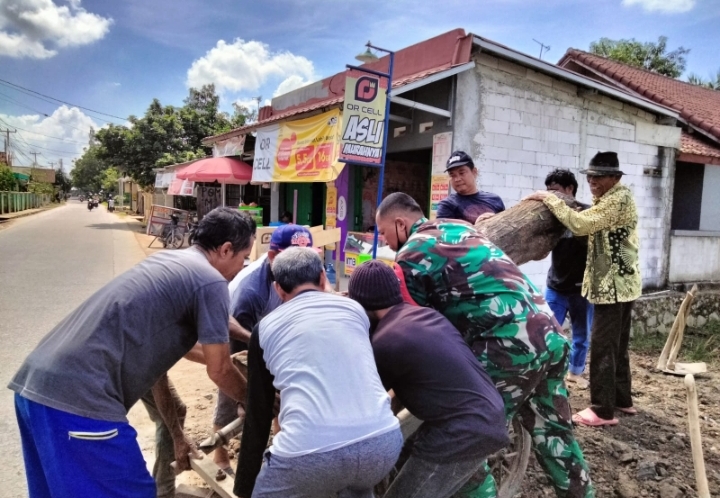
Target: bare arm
196,354
238,332
173,414
223,372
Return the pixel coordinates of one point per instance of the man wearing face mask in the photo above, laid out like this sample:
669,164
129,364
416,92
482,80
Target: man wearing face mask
449,266
467,203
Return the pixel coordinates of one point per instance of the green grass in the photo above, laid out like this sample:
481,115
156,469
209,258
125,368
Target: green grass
699,344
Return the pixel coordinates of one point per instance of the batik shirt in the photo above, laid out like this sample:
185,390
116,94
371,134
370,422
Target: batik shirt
451,267
612,272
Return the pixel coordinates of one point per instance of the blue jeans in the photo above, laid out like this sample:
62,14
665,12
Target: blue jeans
581,317
348,472
68,456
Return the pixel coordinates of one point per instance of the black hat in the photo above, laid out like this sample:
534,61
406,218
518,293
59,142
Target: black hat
603,164
457,159
375,286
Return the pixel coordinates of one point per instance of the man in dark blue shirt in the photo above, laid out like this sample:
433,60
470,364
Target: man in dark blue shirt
564,283
467,203
423,358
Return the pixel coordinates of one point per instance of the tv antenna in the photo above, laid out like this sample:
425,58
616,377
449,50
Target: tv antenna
543,48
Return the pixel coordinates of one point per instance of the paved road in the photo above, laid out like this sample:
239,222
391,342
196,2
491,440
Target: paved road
49,264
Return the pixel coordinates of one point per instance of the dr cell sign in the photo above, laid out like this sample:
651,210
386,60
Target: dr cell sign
364,119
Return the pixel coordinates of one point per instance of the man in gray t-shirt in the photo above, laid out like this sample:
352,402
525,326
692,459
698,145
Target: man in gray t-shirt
74,390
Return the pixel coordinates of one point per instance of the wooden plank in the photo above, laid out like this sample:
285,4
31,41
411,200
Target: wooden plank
326,237
207,470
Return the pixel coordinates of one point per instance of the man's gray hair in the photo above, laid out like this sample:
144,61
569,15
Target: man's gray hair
297,266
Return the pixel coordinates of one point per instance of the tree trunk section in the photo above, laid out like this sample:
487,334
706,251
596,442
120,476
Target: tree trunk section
527,231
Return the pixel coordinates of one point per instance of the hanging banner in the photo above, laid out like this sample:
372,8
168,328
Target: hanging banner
305,150
439,180
181,187
331,202
230,147
364,118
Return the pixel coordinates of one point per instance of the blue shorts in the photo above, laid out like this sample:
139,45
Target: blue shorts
68,456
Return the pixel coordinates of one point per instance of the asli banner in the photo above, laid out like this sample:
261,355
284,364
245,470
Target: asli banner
364,118
305,150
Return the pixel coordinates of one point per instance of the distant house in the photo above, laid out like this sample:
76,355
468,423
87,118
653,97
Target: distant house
694,252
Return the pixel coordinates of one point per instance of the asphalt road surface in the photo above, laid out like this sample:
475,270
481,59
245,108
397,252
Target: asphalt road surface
49,264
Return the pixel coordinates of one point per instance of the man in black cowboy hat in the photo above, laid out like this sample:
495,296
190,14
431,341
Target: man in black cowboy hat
612,283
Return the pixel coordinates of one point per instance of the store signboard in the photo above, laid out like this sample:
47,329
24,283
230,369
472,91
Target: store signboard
305,150
363,118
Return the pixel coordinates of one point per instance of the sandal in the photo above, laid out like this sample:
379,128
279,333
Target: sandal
630,410
589,418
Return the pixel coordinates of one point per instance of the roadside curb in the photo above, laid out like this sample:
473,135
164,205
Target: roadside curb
27,212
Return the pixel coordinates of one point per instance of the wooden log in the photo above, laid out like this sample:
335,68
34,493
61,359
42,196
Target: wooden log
675,336
527,231
703,491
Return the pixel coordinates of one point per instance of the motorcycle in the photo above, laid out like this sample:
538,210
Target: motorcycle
90,205
192,225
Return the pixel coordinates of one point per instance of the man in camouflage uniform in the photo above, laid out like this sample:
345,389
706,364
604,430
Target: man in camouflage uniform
449,266
611,282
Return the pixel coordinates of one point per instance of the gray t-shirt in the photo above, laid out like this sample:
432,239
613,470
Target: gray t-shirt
100,359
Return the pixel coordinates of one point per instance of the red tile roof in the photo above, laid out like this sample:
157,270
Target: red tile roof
693,146
697,105
411,64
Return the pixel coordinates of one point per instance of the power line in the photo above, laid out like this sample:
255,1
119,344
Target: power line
47,149
9,99
61,101
42,135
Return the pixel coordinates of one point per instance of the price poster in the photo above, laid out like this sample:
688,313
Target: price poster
331,207
305,150
439,187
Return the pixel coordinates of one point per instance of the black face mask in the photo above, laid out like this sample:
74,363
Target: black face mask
397,237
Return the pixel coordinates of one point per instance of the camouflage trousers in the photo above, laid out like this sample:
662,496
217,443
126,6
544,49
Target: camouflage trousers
533,387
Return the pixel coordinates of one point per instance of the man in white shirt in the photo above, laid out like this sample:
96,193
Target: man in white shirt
338,432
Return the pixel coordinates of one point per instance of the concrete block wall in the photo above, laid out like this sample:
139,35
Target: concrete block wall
519,125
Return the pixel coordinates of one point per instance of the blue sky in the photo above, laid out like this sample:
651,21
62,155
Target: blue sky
114,56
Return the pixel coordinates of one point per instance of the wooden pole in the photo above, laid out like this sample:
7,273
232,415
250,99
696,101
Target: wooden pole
695,438
675,336
337,266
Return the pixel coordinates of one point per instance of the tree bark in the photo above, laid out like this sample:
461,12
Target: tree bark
527,231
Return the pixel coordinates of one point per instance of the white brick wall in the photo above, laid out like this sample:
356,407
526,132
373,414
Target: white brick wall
526,128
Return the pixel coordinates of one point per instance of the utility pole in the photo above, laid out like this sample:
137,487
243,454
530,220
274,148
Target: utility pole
52,164
61,166
35,154
8,156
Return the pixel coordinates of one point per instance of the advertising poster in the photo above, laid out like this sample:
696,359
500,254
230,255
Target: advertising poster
305,150
331,207
439,180
363,118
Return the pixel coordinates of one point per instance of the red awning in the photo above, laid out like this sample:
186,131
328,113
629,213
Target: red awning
219,169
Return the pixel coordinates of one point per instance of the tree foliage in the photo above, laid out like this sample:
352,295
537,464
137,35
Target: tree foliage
62,181
713,83
166,134
87,174
649,55
110,179
7,180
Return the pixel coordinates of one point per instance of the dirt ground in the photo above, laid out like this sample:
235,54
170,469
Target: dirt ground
647,455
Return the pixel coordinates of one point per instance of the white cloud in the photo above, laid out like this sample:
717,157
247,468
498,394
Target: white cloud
247,66
69,128
290,83
35,28
665,6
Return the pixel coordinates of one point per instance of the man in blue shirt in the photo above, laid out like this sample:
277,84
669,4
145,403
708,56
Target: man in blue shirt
467,203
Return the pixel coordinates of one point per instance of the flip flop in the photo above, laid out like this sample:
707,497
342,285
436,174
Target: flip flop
630,410
589,418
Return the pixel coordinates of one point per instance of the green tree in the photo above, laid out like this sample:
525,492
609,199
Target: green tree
713,83
7,180
110,179
167,135
62,181
87,174
649,55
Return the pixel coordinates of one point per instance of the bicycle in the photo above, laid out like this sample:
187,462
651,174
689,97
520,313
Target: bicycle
173,235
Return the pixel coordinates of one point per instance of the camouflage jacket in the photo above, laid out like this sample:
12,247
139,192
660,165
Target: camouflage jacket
612,272
450,266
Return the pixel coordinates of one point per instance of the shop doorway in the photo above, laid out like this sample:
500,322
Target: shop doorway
310,202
